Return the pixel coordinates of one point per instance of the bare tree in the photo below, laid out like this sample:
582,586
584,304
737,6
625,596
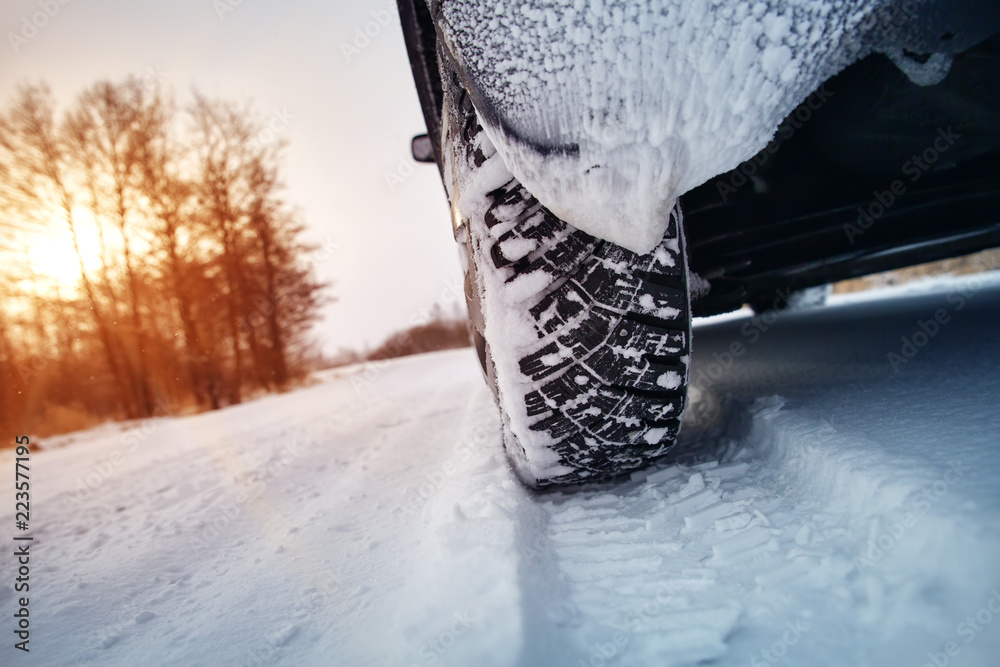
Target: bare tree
226,157
172,204
196,291
108,126
41,179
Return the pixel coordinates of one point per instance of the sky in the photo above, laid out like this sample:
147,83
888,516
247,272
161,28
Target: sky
348,115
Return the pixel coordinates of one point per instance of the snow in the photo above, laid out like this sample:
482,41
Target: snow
928,73
669,380
822,509
969,284
285,530
609,112
501,300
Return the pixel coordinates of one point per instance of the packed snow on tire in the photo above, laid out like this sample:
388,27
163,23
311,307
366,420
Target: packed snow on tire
607,113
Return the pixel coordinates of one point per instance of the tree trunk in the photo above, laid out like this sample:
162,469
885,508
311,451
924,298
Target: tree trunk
143,392
205,384
102,326
9,386
279,366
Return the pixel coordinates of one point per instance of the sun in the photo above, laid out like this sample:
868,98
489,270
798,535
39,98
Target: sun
53,256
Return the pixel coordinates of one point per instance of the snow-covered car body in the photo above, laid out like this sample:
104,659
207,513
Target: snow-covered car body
807,114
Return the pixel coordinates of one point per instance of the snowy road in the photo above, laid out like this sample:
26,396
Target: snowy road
830,505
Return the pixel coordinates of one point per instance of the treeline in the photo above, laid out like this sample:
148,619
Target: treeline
196,291
436,334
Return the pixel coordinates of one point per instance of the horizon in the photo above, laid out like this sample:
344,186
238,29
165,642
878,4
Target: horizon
346,167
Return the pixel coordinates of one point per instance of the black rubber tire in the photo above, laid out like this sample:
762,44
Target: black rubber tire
602,383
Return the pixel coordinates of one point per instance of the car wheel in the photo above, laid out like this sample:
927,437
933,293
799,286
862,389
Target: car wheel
585,344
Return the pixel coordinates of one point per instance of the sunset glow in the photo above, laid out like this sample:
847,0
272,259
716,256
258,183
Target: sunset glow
52,255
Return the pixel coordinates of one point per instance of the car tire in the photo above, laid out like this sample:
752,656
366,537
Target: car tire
586,345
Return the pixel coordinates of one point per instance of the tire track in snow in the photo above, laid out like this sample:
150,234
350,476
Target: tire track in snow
735,553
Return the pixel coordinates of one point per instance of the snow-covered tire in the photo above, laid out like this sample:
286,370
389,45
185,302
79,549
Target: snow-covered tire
587,343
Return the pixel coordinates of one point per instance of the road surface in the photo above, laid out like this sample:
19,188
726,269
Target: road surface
834,501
